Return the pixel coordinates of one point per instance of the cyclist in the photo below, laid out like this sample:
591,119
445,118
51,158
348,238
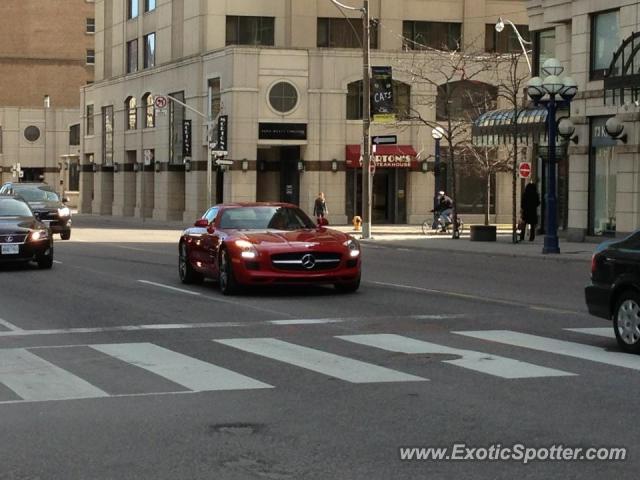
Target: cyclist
443,210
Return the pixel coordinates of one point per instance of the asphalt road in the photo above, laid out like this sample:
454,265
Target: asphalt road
112,369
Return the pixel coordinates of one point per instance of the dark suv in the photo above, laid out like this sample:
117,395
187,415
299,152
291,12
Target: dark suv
45,203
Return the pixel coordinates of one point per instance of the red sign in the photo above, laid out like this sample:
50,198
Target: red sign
385,156
525,169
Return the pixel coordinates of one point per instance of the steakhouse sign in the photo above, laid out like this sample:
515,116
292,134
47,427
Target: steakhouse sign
390,161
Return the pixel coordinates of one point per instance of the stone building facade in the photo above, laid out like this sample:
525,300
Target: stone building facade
46,55
603,172
286,75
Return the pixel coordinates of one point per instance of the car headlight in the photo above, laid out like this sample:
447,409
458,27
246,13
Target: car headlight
64,212
353,246
248,251
39,235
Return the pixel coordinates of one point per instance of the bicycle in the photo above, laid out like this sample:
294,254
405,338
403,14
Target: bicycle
435,225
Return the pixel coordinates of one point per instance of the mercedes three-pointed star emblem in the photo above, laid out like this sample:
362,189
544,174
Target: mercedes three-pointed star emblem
308,261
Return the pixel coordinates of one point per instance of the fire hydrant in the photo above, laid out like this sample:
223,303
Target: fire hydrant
357,223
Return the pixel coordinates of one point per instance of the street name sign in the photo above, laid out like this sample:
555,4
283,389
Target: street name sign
384,140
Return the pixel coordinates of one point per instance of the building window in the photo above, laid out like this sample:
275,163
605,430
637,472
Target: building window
89,124
214,94
132,56
150,111
603,172
149,5
465,100
74,175
150,50
243,30
283,97
605,40
176,116
132,9
91,57
91,25
544,47
131,117
74,134
505,41
344,33
0,139
401,100
440,35
107,135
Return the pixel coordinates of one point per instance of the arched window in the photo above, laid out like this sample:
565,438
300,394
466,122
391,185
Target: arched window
149,111
465,100
131,117
401,100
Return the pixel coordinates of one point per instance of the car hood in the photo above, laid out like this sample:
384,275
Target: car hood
51,205
295,238
17,224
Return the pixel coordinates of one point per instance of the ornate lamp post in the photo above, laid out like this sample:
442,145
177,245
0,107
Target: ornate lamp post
500,27
544,92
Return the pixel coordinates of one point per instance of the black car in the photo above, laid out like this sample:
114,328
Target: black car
23,238
45,202
614,292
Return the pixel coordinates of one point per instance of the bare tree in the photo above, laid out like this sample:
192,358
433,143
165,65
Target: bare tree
511,79
454,79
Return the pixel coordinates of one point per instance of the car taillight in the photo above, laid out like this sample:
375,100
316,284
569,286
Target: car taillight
594,264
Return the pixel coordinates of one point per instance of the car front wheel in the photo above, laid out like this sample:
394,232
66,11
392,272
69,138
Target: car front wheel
185,270
626,322
46,261
348,287
65,235
226,279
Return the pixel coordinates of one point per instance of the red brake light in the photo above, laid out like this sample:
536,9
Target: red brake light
594,263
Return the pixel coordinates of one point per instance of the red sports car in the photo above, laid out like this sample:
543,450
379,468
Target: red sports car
266,243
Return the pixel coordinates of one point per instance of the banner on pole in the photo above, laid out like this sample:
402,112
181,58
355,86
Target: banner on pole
382,109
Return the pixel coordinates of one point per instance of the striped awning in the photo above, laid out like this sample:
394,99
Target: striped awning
497,126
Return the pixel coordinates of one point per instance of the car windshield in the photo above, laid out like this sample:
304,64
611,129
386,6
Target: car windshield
262,218
37,194
11,207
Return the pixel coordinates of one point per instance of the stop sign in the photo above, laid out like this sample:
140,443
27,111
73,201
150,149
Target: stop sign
525,169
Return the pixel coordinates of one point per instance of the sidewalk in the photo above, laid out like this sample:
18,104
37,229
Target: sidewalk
402,236
411,237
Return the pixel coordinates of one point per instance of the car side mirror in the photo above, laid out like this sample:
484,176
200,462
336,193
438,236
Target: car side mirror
65,199
202,223
36,215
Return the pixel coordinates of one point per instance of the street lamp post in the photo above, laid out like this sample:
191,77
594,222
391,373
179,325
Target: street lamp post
437,133
500,28
551,86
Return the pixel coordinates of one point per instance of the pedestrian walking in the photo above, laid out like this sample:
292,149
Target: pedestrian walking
529,204
320,210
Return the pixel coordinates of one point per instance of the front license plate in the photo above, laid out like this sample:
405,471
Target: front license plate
10,249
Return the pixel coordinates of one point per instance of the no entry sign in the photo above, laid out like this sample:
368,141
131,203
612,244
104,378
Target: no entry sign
525,169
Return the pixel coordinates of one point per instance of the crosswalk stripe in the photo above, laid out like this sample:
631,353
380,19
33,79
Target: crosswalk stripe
187,371
606,332
559,347
478,361
34,379
336,366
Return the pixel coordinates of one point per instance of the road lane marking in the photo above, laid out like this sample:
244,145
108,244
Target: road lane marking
558,347
189,372
305,321
169,287
215,299
10,326
481,362
58,262
468,296
34,379
606,332
336,366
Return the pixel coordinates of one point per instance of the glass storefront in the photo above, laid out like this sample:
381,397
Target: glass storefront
603,172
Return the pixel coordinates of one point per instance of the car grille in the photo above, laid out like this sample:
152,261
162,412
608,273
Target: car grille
306,261
48,215
13,237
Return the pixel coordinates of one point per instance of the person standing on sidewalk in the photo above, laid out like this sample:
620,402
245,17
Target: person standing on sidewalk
320,210
529,204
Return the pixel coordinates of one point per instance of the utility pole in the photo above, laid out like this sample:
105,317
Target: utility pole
366,124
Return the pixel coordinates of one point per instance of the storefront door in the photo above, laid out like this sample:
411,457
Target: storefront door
278,178
388,195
